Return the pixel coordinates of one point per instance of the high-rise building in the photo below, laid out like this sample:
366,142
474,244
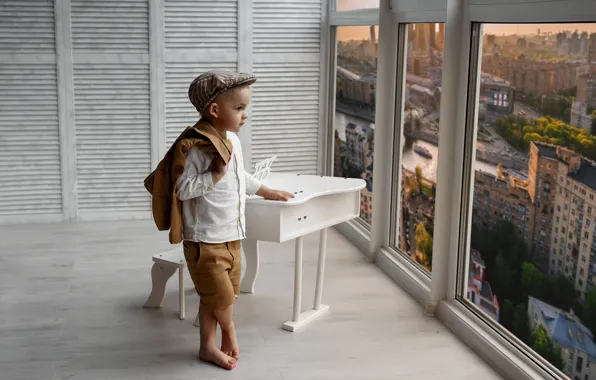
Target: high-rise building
432,34
542,175
422,37
522,43
441,37
584,43
585,102
533,77
553,209
592,53
571,193
503,197
575,43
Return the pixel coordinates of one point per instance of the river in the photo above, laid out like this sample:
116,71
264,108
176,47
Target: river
410,158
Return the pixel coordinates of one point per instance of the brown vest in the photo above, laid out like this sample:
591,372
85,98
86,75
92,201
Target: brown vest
161,183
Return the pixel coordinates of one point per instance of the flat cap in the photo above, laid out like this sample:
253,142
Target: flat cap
207,86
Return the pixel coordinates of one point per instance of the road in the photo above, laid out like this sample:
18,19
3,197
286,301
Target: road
521,109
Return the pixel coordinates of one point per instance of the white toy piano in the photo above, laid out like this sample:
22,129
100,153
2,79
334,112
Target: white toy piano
319,203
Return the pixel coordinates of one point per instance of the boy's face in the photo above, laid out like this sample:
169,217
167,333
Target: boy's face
228,111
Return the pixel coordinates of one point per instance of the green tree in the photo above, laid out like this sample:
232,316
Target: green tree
419,177
412,184
545,347
507,314
521,324
589,312
557,291
424,245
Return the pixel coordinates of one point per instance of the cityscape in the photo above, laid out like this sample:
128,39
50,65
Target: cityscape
532,261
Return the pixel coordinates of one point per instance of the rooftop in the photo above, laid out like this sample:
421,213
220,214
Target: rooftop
494,80
565,329
586,173
546,150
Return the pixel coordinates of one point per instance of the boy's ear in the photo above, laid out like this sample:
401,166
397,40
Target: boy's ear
213,108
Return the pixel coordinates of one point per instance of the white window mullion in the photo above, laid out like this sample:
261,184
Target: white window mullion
384,129
157,86
245,60
323,166
64,67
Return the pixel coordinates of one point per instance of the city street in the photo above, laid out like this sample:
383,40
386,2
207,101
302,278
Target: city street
523,110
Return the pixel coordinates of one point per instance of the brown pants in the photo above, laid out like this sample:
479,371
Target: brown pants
215,269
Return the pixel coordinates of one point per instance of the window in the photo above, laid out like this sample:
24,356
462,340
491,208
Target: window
419,137
522,78
579,364
354,132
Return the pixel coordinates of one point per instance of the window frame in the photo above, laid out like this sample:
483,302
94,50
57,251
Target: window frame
442,296
476,13
450,254
360,17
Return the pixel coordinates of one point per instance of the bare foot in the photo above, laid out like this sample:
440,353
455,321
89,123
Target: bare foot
215,356
229,344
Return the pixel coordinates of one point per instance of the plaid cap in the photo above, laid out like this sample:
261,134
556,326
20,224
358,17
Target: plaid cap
207,86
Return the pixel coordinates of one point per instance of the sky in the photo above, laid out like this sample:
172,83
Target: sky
362,32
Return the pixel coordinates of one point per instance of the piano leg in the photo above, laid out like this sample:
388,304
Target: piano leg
320,269
298,279
301,319
251,252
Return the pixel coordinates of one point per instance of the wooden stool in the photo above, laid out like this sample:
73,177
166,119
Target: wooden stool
164,267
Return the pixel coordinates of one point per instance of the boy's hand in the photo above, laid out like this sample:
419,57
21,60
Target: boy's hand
219,171
277,195
220,166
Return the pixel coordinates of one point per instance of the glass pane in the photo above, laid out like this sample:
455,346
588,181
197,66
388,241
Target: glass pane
420,141
532,260
355,108
349,5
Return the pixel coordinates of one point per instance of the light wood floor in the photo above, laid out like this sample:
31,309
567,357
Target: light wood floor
70,308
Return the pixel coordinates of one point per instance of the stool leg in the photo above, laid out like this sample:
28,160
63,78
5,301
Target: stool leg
159,277
181,292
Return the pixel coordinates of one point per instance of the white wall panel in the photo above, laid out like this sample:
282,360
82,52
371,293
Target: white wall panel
30,174
282,26
286,100
29,140
110,25
113,140
286,115
27,26
201,24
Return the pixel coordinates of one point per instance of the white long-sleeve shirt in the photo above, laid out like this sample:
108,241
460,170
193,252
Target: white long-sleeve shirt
214,213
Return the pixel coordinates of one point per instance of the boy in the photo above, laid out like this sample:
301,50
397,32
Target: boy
213,201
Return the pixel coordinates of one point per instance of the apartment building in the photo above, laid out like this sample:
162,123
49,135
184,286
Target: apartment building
503,197
532,77
568,184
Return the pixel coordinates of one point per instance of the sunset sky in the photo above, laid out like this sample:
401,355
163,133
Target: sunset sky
362,32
